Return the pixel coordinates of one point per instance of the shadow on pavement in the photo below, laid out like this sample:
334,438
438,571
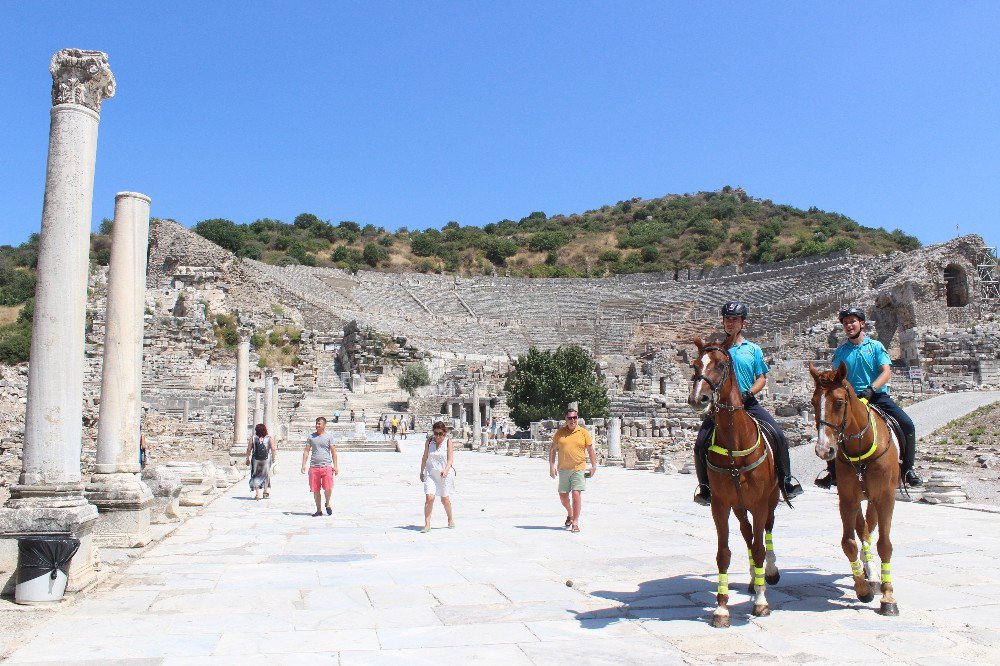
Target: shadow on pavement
690,597
541,527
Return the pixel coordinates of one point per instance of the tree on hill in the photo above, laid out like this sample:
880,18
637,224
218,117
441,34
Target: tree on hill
414,376
543,383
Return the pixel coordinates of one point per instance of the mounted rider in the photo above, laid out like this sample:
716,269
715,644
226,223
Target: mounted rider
869,370
751,375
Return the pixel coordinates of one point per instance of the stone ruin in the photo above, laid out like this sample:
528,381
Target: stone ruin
935,309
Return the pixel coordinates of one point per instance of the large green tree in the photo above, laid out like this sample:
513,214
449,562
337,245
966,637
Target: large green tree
544,383
414,376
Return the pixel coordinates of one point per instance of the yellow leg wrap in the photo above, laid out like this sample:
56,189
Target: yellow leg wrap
886,572
866,549
768,542
758,575
723,584
856,568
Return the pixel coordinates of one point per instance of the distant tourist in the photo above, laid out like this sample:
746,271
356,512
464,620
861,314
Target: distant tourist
336,416
364,416
142,452
573,444
394,425
437,473
320,453
352,416
261,454
509,432
402,428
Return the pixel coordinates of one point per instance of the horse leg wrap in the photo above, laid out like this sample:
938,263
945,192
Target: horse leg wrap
768,542
857,569
866,549
758,576
723,587
886,572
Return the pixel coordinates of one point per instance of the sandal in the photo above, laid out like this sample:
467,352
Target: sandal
575,528
569,521
425,530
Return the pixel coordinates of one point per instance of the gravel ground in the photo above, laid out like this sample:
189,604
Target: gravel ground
928,415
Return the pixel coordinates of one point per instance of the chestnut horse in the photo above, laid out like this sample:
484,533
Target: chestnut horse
742,475
867,468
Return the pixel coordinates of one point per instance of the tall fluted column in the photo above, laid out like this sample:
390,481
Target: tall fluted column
268,400
49,494
239,446
116,489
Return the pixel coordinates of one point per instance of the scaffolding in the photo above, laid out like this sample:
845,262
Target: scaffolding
986,265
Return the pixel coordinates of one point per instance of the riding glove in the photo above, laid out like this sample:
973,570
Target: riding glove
868,394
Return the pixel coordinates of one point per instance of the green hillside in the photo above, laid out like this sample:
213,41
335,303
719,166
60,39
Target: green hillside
638,235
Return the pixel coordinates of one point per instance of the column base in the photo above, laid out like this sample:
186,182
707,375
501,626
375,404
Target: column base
123,501
614,462
34,518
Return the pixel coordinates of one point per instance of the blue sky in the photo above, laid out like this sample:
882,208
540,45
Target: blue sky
417,113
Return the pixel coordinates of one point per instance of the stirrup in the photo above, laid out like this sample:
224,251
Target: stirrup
791,486
703,495
825,480
911,479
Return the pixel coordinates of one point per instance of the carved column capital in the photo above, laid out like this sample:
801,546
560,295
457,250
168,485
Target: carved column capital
81,77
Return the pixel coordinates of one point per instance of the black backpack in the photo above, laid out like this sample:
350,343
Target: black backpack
260,448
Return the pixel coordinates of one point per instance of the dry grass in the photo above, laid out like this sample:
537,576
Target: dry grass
8,314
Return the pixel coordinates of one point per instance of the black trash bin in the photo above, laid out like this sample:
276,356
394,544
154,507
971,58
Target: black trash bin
43,567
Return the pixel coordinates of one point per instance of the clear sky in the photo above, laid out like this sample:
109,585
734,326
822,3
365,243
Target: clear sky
417,113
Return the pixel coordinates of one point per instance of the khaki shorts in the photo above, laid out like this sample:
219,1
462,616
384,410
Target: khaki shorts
571,479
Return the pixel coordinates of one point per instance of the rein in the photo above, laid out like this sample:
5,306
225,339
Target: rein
734,472
858,463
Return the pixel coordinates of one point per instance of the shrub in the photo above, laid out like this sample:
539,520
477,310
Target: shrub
414,376
374,254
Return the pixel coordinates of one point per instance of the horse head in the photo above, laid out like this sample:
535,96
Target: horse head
830,404
711,370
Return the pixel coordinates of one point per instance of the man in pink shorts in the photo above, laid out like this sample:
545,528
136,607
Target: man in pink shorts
321,455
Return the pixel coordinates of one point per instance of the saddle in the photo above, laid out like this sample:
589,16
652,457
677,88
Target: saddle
894,429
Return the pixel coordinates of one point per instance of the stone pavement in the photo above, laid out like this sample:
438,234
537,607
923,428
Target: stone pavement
264,582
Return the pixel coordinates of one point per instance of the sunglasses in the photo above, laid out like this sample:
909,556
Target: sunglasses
572,418
438,432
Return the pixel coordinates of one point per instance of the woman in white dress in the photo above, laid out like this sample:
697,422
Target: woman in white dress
437,473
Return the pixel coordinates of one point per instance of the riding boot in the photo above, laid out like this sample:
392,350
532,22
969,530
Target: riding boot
910,477
828,477
789,485
703,495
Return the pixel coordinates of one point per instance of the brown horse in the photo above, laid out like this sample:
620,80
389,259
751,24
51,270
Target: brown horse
742,475
867,468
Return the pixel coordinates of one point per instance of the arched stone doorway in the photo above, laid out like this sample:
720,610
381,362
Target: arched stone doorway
956,286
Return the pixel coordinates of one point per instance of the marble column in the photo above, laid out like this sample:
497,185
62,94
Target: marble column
477,421
120,496
614,458
48,497
268,399
275,418
258,411
239,447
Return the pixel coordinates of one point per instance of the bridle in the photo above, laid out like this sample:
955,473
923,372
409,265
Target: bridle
716,388
842,436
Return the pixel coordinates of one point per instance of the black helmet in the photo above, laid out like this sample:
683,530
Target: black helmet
735,309
847,312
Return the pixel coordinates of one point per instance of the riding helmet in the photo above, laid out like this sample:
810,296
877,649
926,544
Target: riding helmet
735,309
847,312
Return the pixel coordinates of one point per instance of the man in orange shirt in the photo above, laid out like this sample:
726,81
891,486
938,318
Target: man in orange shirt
573,444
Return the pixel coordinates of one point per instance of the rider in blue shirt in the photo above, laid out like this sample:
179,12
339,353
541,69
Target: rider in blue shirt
751,375
869,370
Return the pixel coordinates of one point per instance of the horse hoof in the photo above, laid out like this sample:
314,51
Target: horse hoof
865,598
720,621
889,610
761,611
773,580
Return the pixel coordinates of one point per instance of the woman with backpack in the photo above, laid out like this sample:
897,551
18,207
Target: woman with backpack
261,449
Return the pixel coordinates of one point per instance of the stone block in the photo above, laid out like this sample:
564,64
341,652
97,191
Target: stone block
166,486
